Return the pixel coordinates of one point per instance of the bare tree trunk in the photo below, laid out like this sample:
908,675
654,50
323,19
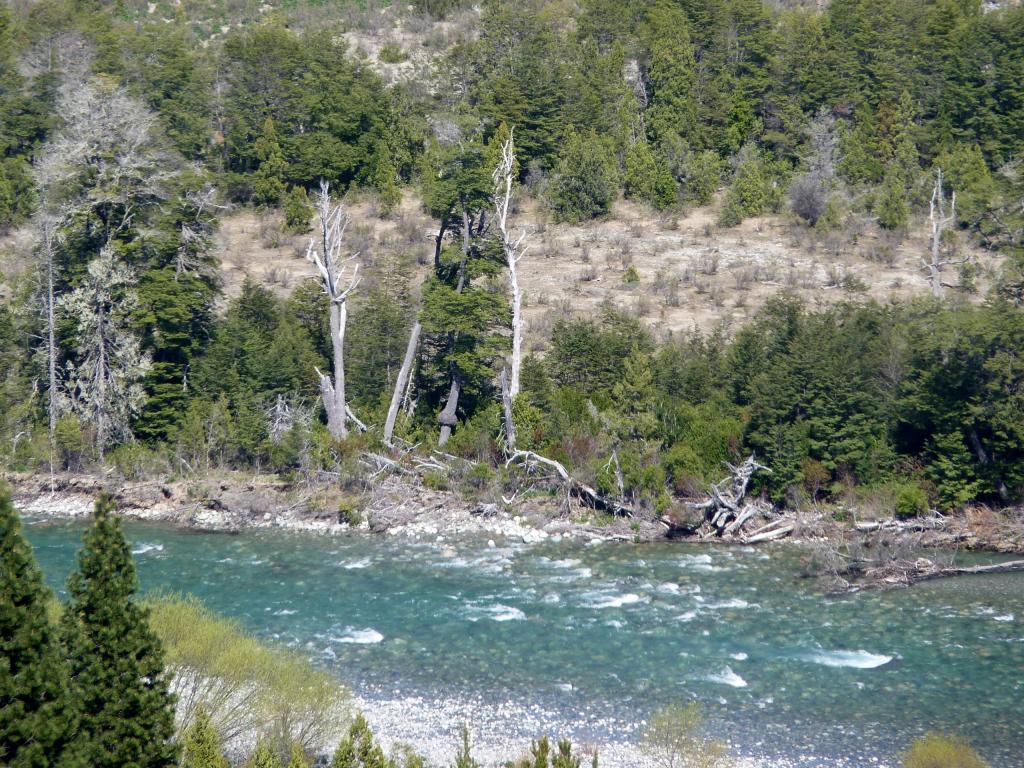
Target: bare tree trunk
940,222
333,392
334,271
51,335
400,383
514,250
447,418
510,425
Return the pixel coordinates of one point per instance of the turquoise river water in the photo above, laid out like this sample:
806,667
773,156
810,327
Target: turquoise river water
603,634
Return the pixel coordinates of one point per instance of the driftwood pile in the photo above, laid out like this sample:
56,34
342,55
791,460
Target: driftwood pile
729,514
903,573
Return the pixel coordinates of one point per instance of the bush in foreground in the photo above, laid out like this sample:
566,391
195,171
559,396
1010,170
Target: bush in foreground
246,686
938,750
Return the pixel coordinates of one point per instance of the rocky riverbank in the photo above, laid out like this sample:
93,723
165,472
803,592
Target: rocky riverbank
402,506
395,506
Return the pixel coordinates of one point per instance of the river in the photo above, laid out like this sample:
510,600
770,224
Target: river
586,640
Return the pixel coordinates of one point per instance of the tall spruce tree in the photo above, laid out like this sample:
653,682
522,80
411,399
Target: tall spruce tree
116,661
38,722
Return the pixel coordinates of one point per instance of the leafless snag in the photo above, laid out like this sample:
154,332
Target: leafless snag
339,277
940,223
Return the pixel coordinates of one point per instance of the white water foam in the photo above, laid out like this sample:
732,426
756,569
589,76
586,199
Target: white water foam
741,656
144,547
496,612
1003,617
688,616
366,636
727,677
853,659
734,602
356,565
612,601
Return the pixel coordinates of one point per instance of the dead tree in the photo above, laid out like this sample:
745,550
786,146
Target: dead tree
339,277
401,382
514,250
940,223
585,493
727,511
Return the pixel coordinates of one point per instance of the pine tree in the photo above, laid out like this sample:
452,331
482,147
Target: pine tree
38,722
116,660
359,749
201,748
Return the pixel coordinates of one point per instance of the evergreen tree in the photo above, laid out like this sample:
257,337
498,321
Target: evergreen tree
38,719
648,179
201,747
298,757
891,207
584,186
672,113
268,181
116,661
358,749
264,757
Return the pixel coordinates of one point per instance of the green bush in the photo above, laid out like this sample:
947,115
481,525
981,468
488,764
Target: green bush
754,190
390,53
585,182
631,276
911,501
246,686
937,750
297,209
72,446
348,512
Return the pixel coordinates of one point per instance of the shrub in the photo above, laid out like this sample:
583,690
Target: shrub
911,500
246,686
648,179
348,512
754,190
631,275
702,173
671,739
72,445
297,210
936,750
808,197
390,53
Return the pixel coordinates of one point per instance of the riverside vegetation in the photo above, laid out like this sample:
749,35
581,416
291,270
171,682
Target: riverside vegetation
125,139
107,680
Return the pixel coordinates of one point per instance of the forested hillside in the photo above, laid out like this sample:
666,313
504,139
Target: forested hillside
670,233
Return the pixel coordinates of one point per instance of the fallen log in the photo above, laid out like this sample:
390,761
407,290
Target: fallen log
582,491
1011,566
778,533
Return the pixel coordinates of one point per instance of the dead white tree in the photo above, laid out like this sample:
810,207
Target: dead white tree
514,249
339,277
940,223
401,383
727,511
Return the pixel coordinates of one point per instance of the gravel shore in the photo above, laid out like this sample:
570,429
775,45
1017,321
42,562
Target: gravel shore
501,731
